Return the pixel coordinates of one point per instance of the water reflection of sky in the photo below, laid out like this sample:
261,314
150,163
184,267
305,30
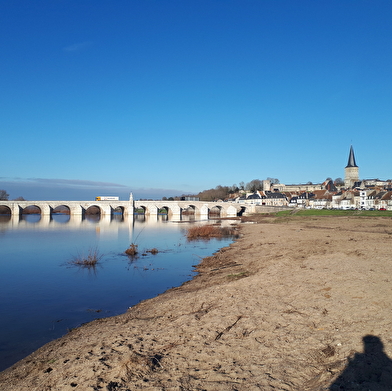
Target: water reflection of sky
42,295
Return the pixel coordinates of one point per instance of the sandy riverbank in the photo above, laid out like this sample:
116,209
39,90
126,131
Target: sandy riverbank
283,308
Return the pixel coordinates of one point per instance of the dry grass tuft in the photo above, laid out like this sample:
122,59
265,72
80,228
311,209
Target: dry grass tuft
238,276
140,366
87,261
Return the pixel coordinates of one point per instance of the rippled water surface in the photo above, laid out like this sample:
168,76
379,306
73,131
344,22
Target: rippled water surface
42,295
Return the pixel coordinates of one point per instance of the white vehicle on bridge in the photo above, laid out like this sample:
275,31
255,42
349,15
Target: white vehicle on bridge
101,198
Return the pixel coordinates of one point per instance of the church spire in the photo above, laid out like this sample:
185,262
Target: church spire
351,171
351,158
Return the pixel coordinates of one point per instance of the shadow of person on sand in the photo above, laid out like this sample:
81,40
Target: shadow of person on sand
367,371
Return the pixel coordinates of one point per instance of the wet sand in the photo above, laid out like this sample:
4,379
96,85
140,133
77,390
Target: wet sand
287,306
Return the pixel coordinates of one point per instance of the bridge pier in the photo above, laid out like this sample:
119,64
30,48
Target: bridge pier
106,210
16,210
152,210
204,211
128,210
45,209
76,210
231,211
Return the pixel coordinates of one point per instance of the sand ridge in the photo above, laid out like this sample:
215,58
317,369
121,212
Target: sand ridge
285,307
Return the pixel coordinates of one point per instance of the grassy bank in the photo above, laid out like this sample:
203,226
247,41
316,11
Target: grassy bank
335,212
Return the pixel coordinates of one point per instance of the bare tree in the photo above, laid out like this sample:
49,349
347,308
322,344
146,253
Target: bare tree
255,184
4,195
273,181
339,182
19,199
212,194
234,189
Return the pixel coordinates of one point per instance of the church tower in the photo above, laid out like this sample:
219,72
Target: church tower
351,171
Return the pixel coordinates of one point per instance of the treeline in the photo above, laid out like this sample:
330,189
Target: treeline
4,196
223,192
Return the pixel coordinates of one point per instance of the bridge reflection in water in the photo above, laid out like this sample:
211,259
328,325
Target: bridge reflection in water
106,225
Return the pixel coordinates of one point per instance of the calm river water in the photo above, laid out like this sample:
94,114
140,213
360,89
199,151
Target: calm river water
42,295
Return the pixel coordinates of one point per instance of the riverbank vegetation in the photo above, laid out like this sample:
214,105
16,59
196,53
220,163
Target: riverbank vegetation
209,231
87,261
335,212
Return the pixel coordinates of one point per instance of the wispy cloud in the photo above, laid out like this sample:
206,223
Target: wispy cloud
56,182
74,182
77,46
75,189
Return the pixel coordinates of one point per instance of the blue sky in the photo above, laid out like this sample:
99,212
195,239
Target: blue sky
173,97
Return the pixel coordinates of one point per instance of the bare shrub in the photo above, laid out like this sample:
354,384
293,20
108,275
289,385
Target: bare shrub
87,261
209,231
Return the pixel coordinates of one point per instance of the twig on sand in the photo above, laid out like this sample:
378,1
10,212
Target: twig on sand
228,328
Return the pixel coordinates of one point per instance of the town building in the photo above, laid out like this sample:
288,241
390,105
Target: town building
366,194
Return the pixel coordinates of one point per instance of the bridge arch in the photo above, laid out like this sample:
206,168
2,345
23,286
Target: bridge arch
32,209
188,211
149,209
172,209
152,209
215,211
63,209
93,210
118,209
241,211
5,210
140,210
191,209
164,210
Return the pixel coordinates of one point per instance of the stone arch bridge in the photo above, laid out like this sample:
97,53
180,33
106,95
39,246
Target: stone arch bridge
173,208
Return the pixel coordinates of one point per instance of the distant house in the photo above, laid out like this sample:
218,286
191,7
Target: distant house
273,198
374,199
249,198
321,199
254,198
349,199
267,198
280,187
190,198
366,197
386,201
293,202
